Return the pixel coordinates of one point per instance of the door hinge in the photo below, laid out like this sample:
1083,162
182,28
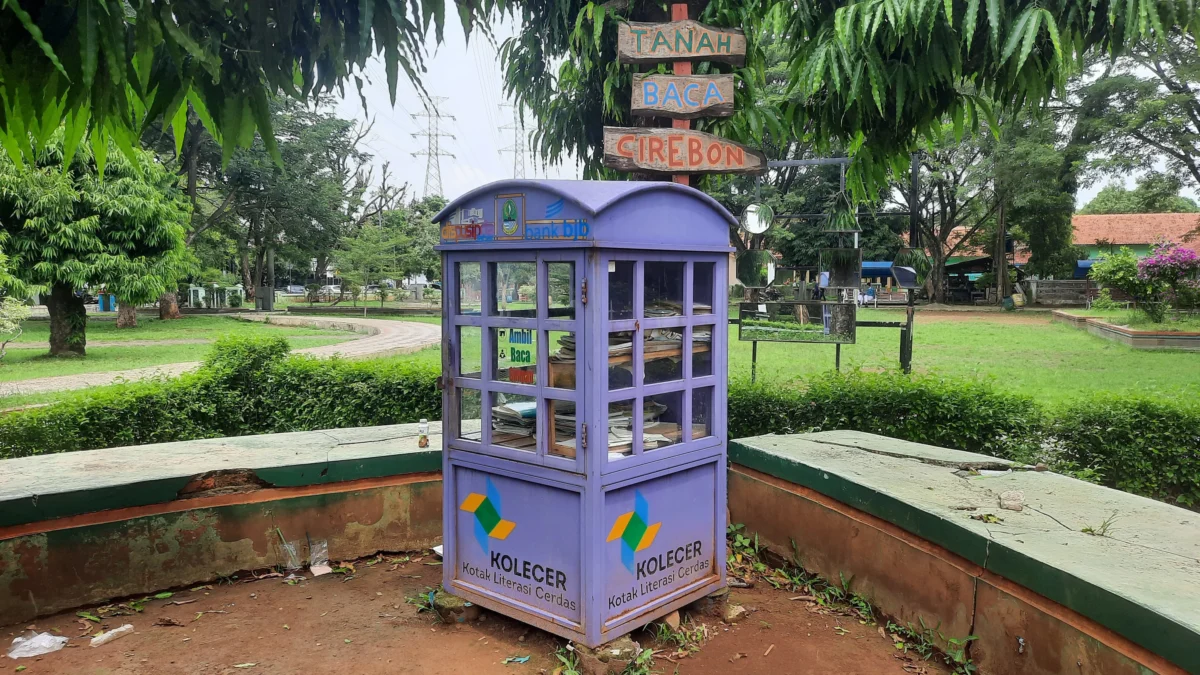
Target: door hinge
583,441
583,291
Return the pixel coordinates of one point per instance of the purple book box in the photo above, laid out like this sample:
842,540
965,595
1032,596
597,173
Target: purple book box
585,346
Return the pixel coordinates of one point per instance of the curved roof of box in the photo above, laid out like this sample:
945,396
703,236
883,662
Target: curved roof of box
593,196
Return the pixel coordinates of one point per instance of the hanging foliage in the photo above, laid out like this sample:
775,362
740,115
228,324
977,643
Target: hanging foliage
109,66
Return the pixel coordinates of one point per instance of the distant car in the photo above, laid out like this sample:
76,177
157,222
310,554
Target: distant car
295,290
331,289
436,284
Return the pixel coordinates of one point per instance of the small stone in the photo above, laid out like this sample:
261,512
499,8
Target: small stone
1012,500
608,659
672,620
1041,466
734,613
472,612
450,608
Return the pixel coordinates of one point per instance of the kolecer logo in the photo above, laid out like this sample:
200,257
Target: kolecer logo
634,530
488,522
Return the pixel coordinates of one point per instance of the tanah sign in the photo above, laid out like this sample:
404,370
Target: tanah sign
682,96
678,151
679,41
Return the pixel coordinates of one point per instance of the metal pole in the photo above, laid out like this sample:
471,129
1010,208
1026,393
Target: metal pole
837,363
907,334
753,360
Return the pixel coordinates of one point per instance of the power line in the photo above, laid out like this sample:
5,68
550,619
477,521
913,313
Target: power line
433,135
518,147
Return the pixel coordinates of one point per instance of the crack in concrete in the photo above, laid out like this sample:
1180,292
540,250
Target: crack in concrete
995,465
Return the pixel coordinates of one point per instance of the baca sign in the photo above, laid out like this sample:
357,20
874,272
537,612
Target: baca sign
682,96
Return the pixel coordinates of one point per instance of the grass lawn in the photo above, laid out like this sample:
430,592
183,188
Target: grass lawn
24,364
1139,321
194,327
1021,352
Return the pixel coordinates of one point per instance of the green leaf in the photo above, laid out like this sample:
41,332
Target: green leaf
262,117
1031,32
179,127
1015,35
36,34
995,15
88,43
969,20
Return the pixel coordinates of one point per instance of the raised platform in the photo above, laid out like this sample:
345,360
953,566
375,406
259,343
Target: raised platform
914,528
1138,339
84,527
921,532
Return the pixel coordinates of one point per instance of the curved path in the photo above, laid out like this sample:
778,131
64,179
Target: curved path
381,337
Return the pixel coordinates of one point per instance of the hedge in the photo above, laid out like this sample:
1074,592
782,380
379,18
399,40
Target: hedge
246,386
1148,446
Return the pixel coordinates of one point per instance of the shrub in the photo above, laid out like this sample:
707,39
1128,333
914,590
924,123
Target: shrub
1147,446
1104,301
924,409
245,386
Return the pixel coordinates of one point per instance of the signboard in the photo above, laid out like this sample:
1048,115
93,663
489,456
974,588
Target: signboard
660,539
682,96
829,322
518,540
678,151
679,41
473,225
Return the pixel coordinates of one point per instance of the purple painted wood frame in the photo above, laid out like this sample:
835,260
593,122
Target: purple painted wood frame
587,547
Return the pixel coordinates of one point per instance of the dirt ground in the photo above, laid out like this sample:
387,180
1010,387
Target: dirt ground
361,623
1018,318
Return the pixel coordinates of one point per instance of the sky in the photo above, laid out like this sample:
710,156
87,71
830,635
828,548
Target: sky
469,78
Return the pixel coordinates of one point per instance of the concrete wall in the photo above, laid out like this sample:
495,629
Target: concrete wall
808,496
84,528
1138,339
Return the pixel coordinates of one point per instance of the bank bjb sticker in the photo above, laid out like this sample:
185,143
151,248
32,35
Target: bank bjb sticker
502,545
660,538
509,217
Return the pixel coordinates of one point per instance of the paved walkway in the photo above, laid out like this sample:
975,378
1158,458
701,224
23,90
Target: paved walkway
382,337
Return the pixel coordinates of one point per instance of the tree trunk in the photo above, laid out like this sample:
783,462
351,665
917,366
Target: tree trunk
68,321
1000,257
937,274
168,306
246,281
126,315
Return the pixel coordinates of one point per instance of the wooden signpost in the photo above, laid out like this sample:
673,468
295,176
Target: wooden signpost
679,41
678,151
682,97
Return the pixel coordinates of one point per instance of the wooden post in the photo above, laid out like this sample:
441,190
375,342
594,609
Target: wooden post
679,12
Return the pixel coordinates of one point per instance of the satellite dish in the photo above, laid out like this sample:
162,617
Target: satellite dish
757,218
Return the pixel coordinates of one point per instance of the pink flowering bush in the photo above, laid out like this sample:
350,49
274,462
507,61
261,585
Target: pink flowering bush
1176,271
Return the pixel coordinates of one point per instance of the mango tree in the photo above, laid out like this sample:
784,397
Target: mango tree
67,228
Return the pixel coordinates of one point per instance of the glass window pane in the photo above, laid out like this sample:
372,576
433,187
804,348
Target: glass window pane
514,287
664,289
470,352
563,414
620,289
514,355
620,360
470,412
702,288
663,354
663,414
620,429
702,351
561,277
514,421
702,405
470,293
562,359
